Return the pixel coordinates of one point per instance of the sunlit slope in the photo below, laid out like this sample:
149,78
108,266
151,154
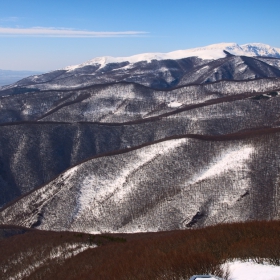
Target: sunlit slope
173,184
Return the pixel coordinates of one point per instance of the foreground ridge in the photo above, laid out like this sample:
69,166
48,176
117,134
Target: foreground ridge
121,180
181,254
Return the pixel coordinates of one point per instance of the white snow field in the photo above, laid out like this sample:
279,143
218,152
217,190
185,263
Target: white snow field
252,271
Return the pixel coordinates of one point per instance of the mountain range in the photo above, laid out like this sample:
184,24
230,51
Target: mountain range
162,71
150,142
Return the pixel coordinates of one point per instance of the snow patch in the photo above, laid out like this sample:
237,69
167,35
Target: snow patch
249,270
232,159
174,104
60,252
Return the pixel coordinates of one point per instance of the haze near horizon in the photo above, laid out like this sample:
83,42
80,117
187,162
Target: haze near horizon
45,36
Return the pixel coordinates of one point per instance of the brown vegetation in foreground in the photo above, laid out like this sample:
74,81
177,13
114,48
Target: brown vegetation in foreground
163,255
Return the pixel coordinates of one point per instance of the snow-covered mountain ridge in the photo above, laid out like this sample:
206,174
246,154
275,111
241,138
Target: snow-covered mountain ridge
226,61
210,52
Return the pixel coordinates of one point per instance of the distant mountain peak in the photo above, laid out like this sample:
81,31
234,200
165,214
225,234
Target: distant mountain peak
262,49
214,51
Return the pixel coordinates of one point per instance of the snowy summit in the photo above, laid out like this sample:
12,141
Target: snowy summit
210,52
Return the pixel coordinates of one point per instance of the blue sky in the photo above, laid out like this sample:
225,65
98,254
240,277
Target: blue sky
47,35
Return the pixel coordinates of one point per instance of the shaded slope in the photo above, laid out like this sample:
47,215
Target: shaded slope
33,153
231,68
120,102
157,74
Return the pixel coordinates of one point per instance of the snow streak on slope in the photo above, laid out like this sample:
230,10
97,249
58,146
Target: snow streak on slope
59,253
97,188
232,159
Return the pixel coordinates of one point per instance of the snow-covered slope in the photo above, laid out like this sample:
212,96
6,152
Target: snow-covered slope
210,52
173,184
121,102
55,130
227,61
259,49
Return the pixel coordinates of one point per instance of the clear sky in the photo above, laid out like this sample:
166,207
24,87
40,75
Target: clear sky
45,35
